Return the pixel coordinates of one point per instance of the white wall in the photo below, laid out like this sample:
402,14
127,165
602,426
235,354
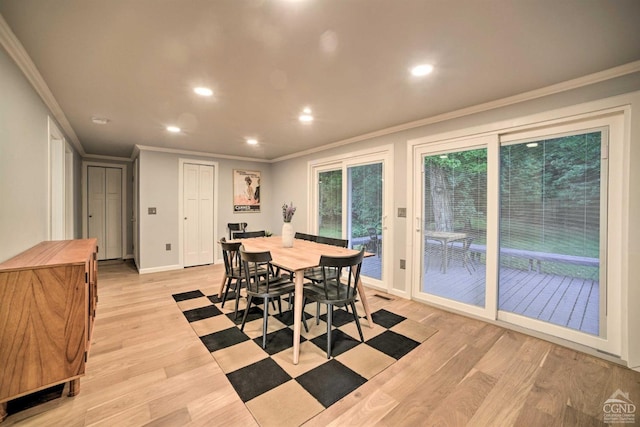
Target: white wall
24,142
159,188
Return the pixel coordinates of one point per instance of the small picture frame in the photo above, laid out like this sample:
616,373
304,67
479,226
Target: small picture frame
246,191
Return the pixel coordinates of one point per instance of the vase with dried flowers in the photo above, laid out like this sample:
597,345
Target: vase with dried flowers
287,228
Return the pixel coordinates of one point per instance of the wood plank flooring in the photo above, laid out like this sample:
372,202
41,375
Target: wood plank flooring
147,367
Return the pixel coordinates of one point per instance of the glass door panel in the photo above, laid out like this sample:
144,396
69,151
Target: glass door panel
365,204
330,203
455,226
550,199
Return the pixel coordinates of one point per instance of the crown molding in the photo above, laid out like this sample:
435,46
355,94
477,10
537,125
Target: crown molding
102,157
611,73
138,148
16,51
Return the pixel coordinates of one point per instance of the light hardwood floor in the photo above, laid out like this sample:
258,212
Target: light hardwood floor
147,367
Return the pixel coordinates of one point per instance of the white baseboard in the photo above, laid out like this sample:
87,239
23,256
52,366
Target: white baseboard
159,269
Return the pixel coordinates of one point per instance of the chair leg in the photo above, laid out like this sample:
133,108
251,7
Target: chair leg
355,316
226,291
246,312
317,313
329,315
264,322
238,289
304,319
280,305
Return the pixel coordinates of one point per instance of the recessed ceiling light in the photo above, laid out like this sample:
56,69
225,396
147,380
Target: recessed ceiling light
100,120
203,91
306,116
173,129
252,141
422,70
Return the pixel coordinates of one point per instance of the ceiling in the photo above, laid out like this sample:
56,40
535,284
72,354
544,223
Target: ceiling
136,63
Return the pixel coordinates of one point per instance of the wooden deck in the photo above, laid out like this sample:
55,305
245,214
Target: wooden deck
561,300
372,267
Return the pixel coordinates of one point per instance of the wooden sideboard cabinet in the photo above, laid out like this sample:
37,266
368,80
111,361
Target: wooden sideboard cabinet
48,297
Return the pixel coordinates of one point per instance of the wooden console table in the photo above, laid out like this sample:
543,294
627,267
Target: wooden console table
48,297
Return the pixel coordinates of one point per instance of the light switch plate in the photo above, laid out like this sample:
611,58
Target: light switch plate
152,211
402,212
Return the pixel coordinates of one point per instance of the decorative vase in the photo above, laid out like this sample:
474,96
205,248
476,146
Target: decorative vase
287,235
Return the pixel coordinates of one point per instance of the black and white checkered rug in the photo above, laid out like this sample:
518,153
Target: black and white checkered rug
266,379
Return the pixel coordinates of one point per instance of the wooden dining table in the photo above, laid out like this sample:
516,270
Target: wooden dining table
303,255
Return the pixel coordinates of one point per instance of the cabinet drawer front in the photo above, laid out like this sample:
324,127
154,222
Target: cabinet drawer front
43,318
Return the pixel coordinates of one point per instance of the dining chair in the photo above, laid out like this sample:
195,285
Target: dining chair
332,241
267,286
336,289
304,236
249,234
236,226
315,274
233,270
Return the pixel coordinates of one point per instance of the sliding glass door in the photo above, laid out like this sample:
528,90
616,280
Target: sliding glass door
552,240
350,202
329,211
454,225
364,218
514,227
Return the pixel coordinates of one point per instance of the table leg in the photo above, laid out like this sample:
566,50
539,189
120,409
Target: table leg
365,303
297,313
445,256
224,280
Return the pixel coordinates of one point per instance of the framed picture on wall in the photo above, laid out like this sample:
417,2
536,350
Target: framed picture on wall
246,191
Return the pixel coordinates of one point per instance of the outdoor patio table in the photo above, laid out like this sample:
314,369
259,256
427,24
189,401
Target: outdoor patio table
445,237
303,255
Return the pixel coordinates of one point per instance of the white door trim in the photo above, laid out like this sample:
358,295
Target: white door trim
56,205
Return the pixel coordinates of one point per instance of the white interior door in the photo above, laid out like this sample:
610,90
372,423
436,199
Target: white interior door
57,187
136,251
113,213
96,198
104,187
68,193
198,214
205,205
